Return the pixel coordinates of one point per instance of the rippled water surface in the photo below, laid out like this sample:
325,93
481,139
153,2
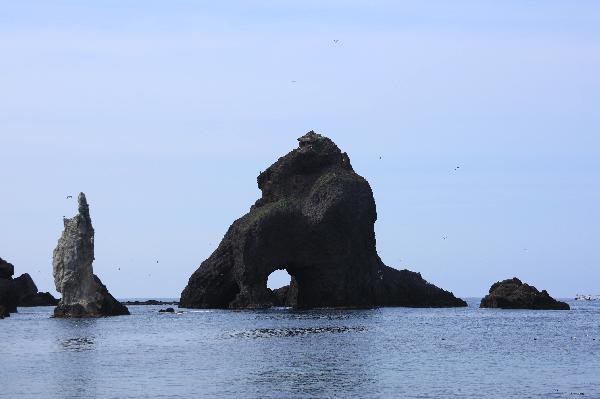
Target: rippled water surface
393,352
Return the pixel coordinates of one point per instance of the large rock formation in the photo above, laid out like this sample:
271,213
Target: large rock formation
83,294
315,219
513,294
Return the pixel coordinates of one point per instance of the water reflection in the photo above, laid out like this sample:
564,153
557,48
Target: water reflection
78,344
76,359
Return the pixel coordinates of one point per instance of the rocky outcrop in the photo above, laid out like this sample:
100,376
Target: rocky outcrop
25,286
38,299
9,298
20,291
83,294
514,294
29,295
315,219
286,296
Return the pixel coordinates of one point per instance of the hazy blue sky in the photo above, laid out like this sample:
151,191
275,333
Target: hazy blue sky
163,113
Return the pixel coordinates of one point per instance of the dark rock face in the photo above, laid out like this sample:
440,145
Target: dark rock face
25,286
38,299
286,296
315,219
513,294
167,310
83,294
9,298
6,269
20,291
3,312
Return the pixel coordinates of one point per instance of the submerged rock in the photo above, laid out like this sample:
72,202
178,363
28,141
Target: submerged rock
514,294
315,219
83,294
167,310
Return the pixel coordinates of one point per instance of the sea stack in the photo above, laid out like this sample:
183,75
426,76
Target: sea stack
316,220
514,294
83,294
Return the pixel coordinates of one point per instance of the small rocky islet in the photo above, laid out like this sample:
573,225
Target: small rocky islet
514,294
20,291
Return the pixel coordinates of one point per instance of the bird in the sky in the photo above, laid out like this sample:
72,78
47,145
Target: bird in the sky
156,261
69,196
444,237
380,157
293,81
336,41
118,268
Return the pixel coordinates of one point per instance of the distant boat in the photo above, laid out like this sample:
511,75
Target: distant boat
581,297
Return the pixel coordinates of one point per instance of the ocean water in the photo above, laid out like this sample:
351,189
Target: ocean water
282,353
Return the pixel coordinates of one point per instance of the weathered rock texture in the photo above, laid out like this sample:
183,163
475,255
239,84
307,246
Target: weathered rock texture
315,219
513,294
83,294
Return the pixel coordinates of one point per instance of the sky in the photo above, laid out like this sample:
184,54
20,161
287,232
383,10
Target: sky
164,113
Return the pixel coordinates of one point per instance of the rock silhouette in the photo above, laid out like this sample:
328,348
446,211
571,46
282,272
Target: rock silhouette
9,299
514,294
20,291
83,294
315,219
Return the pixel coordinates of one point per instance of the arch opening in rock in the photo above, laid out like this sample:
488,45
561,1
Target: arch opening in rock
283,288
279,278
316,217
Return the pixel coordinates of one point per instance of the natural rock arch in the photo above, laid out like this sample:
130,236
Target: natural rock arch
316,220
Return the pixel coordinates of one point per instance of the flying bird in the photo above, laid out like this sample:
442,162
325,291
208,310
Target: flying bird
444,237
293,81
336,41
69,196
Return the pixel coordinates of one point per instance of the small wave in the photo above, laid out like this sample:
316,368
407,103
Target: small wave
294,332
78,344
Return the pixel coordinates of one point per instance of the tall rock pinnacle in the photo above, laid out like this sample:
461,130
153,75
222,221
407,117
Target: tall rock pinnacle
83,294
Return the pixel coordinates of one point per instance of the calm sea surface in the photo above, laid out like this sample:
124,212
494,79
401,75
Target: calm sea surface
281,353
